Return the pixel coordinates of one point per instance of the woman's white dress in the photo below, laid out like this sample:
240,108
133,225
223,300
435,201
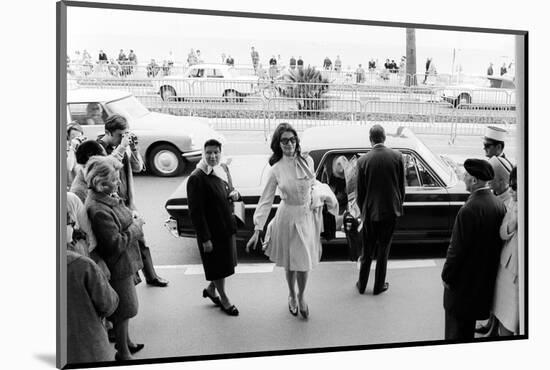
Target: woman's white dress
293,240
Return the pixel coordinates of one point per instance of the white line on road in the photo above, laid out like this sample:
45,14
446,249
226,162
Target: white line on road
262,268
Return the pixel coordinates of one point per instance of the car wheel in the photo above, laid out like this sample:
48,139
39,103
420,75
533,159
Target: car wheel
167,92
231,96
165,161
463,98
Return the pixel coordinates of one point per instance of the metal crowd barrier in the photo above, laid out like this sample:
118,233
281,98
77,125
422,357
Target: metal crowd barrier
418,107
312,112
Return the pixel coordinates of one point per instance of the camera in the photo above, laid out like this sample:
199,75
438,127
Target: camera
132,138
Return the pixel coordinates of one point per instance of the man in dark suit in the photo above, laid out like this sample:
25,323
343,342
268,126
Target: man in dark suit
380,194
473,256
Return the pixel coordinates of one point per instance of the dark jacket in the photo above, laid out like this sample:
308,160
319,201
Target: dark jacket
209,207
89,298
116,233
381,184
473,256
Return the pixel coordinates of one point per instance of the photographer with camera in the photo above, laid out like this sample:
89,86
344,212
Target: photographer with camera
117,134
75,136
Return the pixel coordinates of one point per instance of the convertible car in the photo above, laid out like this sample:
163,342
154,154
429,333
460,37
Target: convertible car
434,192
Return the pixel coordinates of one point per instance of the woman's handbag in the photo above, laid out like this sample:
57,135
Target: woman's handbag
238,207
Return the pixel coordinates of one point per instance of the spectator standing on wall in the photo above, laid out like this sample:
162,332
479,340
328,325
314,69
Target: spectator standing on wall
255,57
292,62
102,57
300,63
503,69
121,56
230,61
192,58
360,74
132,58
490,70
327,63
337,63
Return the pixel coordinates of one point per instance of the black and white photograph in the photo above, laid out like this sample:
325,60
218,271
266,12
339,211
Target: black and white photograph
282,186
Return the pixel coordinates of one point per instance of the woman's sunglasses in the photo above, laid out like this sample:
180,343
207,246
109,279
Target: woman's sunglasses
286,140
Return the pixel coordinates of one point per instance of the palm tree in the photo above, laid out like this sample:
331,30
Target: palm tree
308,86
411,57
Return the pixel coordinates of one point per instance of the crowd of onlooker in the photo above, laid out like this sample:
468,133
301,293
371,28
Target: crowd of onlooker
126,64
106,246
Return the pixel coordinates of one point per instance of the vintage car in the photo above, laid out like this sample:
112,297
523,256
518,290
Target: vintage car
497,91
434,193
167,143
209,81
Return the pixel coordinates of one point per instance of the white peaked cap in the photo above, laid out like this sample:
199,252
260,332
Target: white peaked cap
495,133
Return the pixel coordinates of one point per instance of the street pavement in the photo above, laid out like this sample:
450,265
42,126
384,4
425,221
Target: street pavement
177,321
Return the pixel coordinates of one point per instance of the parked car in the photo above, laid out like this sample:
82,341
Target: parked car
434,193
167,143
209,81
498,91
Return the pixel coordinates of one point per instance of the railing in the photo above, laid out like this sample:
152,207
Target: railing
265,103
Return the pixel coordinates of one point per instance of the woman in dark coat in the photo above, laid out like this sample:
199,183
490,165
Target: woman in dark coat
209,194
117,234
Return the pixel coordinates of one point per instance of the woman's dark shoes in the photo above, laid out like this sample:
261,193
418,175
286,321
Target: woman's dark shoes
118,357
214,299
304,311
133,348
382,290
293,309
158,281
231,310
111,335
360,288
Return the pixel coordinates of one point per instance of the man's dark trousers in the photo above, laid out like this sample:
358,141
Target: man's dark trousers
377,236
459,328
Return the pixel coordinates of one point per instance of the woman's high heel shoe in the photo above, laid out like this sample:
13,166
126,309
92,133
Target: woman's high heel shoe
293,310
304,312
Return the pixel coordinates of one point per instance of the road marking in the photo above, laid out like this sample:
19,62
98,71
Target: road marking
245,268
263,268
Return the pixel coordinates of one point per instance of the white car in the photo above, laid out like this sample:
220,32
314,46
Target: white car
498,91
209,81
167,143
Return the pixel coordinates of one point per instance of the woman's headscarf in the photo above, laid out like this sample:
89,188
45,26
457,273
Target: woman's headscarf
217,170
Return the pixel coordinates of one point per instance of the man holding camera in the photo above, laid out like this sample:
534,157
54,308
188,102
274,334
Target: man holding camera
117,133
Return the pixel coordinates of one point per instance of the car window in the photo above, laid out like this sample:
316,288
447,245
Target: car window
426,178
129,107
196,72
87,113
411,171
416,172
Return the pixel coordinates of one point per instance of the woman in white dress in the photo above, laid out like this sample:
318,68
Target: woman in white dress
292,239
506,300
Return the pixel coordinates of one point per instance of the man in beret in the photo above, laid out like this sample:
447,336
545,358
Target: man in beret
473,255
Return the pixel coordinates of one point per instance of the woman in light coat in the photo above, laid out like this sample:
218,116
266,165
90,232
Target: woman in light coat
506,301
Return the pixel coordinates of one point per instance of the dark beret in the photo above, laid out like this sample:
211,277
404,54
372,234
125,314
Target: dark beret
480,169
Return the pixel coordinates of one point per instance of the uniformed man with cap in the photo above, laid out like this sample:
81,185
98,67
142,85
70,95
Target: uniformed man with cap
493,144
472,260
